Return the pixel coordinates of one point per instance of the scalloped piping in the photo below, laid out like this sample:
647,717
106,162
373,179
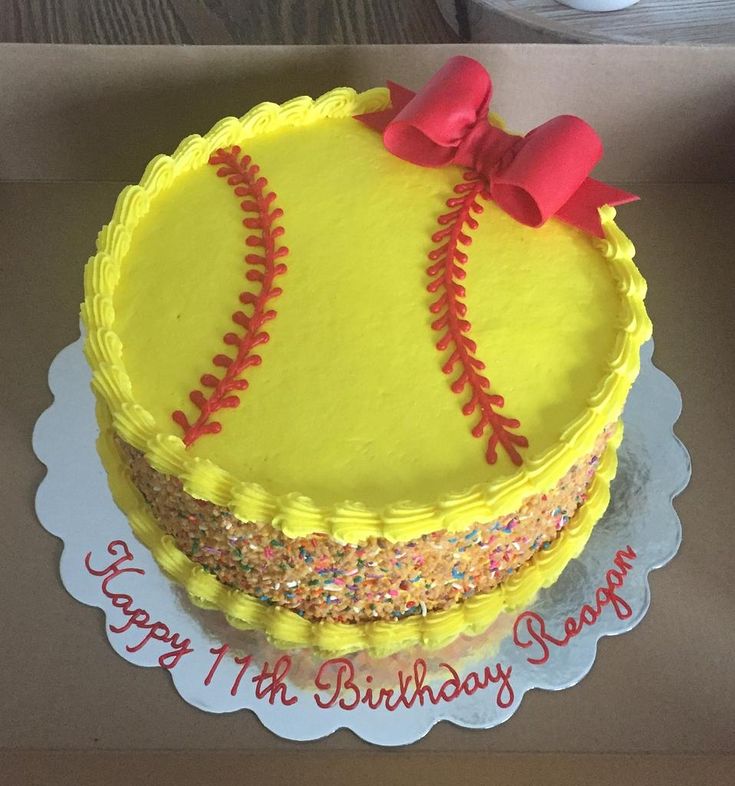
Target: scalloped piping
287,630
294,514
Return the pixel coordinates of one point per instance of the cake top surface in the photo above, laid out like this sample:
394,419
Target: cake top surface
325,404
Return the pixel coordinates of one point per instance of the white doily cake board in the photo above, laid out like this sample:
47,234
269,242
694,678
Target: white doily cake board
477,682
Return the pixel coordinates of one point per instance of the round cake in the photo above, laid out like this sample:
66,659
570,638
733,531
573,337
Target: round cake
354,400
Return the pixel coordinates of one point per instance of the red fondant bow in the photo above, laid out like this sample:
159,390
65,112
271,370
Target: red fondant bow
531,177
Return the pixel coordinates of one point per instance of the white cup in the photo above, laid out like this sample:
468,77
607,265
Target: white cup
598,5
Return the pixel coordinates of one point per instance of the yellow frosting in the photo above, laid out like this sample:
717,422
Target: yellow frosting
349,427
287,629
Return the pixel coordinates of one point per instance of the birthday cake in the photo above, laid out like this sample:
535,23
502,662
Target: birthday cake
360,361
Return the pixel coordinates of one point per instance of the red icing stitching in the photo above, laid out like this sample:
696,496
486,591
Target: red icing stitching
446,272
242,175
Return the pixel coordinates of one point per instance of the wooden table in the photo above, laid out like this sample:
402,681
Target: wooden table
546,21
224,22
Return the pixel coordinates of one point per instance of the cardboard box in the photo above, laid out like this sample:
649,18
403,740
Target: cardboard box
77,122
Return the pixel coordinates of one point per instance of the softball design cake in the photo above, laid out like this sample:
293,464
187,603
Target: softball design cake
360,360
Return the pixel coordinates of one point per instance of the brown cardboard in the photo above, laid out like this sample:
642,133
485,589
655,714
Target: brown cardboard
667,118
651,105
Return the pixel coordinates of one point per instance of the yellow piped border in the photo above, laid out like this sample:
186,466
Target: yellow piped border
287,630
294,514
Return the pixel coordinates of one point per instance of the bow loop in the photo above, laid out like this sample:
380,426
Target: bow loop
548,167
427,127
533,177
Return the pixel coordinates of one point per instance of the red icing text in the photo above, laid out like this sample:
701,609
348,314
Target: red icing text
137,618
530,630
336,682
269,683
